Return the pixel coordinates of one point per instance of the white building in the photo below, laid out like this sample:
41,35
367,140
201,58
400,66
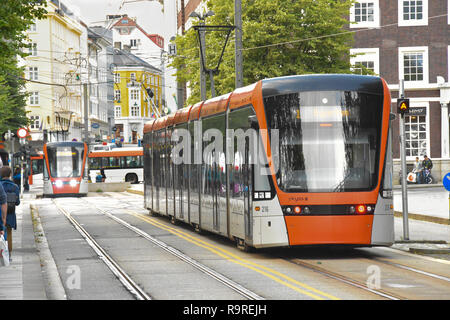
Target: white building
52,67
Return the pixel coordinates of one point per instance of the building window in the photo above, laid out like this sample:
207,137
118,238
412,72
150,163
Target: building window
135,94
117,111
133,43
365,59
361,67
35,122
34,98
416,134
412,13
32,49
33,73
365,14
32,27
133,76
117,95
135,110
116,77
413,65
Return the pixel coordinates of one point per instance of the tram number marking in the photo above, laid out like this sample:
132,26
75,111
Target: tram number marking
264,209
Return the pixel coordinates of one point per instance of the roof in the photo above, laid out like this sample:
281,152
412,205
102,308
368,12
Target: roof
126,21
123,58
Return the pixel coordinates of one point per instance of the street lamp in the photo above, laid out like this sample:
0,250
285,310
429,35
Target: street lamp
202,41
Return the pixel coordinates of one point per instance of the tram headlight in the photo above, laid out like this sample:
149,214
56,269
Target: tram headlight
73,183
58,183
306,210
297,209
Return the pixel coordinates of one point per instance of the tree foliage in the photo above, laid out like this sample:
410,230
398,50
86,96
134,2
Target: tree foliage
16,17
280,37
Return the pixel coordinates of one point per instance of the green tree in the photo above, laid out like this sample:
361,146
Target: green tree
16,17
280,37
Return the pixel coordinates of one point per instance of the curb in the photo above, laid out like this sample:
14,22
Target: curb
429,251
422,217
53,285
135,191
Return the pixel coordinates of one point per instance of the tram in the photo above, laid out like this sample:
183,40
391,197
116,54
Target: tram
288,161
65,169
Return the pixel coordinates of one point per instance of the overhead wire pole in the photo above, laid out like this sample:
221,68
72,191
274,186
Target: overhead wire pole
238,44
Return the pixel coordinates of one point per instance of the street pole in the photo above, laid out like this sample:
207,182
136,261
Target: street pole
86,115
238,43
403,166
202,70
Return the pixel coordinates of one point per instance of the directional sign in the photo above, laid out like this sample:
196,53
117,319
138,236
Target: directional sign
22,132
446,181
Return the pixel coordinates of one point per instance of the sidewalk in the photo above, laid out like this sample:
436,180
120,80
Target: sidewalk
23,279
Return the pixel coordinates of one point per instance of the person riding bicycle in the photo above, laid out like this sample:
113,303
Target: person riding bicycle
427,164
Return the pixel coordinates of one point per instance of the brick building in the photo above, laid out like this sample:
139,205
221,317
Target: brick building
410,40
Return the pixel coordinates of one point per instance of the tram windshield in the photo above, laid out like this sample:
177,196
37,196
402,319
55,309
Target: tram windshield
329,141
65,161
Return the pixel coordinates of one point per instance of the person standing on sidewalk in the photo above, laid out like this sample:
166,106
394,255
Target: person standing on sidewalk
13,198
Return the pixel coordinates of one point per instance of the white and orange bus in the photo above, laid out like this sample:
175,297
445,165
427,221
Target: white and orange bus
119,164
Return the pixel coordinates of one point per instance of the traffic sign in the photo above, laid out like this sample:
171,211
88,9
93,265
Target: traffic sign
95,125
446,181
402,106
22,132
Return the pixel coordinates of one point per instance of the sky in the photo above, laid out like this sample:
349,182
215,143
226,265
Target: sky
148,13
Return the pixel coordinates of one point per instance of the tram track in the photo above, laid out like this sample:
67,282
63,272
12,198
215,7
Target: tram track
123,277
364,286
126,279
344,279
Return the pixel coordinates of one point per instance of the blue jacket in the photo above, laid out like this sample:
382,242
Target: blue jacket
11,187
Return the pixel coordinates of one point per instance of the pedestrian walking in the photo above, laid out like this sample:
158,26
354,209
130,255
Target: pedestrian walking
4,208
427,165
13,199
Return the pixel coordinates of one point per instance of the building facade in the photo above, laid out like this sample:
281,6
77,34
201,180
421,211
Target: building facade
137,95
410,40
54,104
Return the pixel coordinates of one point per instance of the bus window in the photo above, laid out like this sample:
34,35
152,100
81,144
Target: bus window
94,163
131,162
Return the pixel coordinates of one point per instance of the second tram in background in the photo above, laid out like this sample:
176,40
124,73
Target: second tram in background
65,169
333,181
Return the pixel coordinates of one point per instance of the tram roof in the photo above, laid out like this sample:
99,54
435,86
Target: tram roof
182,115
215,105
148,126
321,82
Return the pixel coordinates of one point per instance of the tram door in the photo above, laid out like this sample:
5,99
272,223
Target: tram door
240,172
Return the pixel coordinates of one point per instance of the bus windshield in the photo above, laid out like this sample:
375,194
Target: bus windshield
329,141
65,161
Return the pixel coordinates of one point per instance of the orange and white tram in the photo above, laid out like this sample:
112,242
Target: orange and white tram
296,160
65,169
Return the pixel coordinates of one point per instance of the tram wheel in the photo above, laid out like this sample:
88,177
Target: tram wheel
241,245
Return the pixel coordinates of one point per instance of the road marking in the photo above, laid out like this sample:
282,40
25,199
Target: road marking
268,272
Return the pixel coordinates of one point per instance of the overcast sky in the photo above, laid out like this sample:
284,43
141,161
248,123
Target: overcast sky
148,13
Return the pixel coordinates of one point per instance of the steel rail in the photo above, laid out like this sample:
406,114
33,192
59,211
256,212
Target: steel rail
344,279
203,268
126,280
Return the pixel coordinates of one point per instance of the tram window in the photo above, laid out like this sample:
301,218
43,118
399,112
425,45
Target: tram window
37,166
329,141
